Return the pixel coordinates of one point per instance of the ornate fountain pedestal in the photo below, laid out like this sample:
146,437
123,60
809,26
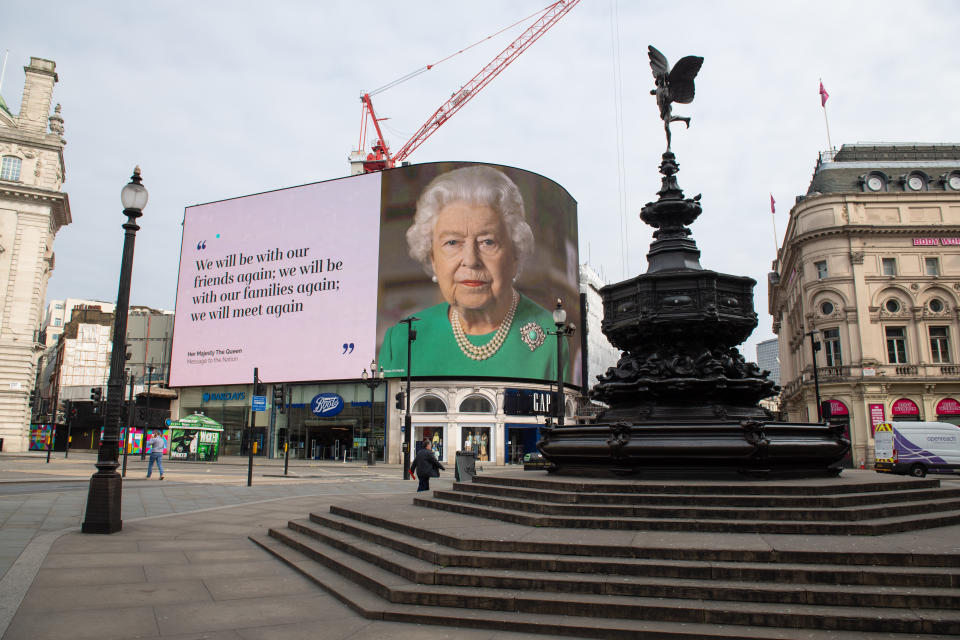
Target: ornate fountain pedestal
682,397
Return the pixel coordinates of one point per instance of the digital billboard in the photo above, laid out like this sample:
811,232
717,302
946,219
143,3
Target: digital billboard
312,282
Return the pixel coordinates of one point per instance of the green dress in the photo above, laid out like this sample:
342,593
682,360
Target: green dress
435,352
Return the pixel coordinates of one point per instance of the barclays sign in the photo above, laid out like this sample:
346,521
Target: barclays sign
326,405
223,397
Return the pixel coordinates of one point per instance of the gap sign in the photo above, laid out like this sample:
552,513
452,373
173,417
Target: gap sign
528,402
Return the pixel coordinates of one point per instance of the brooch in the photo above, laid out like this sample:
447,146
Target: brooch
532,335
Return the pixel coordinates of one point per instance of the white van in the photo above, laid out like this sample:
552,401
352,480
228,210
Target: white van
917,448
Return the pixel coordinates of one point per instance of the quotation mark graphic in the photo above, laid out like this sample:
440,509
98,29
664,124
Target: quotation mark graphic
201,245
347,347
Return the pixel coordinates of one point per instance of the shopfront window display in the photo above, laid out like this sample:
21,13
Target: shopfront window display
476,439
435,435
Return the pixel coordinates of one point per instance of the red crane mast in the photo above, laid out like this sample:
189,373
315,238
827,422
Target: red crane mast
380,157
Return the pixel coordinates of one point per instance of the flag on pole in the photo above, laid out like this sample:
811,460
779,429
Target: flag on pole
773,203
823,95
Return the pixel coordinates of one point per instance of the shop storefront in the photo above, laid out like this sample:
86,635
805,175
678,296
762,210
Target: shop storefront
948,410
521,439
904,410
839,414
478,439
331,422
435,434
228,406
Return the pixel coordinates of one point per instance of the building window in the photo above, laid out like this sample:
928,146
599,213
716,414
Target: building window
826,308
952,180
821,268
10,168
936,305
889,266
875,181
940,344
896,345
831,340
429,404
56,322
476,404
892,305
932,266
916,181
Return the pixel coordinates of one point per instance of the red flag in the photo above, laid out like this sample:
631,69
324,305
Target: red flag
773,208
823,95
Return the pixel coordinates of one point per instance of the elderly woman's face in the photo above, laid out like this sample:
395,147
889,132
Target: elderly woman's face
473,257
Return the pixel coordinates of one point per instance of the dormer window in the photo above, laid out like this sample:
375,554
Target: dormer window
952,181
10,168
916,181
875,181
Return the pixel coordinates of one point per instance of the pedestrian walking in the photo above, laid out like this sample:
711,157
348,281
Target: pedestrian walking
426,466
155,447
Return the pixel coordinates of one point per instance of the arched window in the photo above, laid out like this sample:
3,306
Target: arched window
476,404
10,168
429,404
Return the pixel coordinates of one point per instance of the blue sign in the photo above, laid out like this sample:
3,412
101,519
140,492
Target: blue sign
259,403
326,405
223,397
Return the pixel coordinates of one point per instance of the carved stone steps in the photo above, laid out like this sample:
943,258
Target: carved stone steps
618,497
525,515
388,569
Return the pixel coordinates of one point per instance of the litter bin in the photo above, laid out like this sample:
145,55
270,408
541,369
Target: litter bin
465,467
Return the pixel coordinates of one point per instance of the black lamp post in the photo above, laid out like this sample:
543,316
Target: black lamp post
814,347
374,380
407,422
103,499
563,330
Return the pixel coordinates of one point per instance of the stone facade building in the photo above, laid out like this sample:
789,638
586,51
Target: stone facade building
32,210
869,270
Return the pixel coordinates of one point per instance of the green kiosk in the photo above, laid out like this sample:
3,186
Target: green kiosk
195,437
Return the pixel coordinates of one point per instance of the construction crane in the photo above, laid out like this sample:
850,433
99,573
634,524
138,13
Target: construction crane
380,158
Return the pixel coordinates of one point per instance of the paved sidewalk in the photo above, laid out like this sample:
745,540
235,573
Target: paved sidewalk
182,568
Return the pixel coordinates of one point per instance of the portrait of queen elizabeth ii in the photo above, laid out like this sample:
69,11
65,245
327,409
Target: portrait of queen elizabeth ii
471,236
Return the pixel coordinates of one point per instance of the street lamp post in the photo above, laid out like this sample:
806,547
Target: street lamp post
563,330
103,499
814,347
372,381
407,421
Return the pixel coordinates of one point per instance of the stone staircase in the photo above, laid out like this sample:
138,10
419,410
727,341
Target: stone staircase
486,566
889,505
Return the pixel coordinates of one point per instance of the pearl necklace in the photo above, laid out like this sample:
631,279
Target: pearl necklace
483,352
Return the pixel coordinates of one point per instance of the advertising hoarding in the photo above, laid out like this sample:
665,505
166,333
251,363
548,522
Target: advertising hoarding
306,283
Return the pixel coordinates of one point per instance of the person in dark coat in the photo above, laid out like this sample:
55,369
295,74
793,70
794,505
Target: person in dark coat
426,466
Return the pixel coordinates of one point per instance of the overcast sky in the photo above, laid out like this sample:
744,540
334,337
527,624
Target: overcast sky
221,99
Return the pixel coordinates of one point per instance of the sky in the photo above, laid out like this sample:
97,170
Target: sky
220,99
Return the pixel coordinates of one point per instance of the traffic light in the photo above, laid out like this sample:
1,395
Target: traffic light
400,403
33,397
96,394
278,397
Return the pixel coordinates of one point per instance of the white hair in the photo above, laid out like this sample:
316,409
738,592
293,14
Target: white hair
478,185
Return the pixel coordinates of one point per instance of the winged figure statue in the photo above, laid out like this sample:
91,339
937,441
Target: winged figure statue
673,85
